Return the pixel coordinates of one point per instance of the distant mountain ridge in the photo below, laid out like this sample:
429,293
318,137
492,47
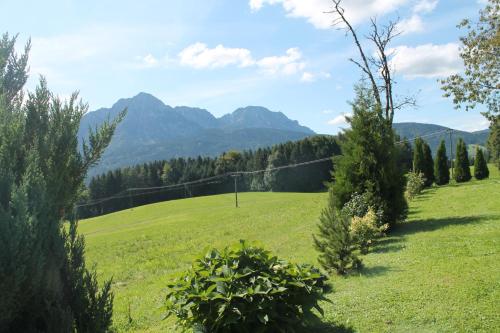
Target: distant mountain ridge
411,130
152,130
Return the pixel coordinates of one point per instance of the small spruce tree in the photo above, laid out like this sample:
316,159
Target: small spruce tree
462,170
480,167
441,170
334,240
428,164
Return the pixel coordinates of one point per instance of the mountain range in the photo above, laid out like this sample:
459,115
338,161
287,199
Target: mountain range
152,130
426,131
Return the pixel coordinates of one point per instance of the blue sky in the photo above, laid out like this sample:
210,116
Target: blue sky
224,54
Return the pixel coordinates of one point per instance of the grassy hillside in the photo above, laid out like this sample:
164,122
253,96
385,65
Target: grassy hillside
438,272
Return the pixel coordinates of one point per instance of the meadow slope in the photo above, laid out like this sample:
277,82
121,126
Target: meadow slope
437,272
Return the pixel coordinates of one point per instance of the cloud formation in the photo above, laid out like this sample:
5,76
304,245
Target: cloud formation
198,55
427,61
425,6
312,77
316,11
288,64
340,119
415,22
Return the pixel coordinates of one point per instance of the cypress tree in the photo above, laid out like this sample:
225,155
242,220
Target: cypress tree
441,170
418,156
480,167
369,161
462,170
428,164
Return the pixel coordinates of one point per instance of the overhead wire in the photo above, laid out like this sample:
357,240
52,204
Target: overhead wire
128,193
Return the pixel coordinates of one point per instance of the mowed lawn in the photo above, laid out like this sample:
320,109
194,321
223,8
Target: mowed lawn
438,272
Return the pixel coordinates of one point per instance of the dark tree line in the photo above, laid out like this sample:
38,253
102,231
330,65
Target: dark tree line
307,178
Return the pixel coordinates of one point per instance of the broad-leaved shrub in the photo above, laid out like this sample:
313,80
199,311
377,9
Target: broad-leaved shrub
245,289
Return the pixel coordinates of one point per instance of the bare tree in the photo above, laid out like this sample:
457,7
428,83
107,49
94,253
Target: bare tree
376,67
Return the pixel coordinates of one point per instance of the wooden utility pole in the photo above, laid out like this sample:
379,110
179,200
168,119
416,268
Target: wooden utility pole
451,151
235,177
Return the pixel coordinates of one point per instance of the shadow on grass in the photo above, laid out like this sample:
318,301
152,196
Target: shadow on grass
386,245
427,225
326,327
374,271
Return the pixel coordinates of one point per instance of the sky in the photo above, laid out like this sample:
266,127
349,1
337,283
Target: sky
224,54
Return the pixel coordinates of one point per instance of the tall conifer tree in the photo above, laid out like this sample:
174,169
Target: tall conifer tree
462,169
418,156
428,164
441,170
481,170
369,161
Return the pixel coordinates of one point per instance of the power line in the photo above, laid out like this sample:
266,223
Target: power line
127,193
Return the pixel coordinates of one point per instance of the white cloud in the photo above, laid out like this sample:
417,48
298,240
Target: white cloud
149,61
307,77
411,25
425,6
312,77
428,60
340,119
415,22
315,11
287,64
198,55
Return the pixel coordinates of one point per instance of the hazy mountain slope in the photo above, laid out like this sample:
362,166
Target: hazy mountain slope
152,130
260,117
412,130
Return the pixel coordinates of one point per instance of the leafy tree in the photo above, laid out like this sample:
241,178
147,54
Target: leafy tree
480,82
462,169
428,165
494,141
480,167
334,241
369,161
45,284
480,51
441,169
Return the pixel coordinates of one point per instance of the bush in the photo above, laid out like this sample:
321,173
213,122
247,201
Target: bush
480,167
364,230
414,184
358,205
245,289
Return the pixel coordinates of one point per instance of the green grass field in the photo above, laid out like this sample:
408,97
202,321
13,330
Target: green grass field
438,272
